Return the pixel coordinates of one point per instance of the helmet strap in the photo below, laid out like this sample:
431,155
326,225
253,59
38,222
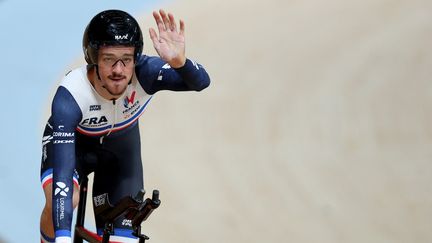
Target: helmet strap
97,71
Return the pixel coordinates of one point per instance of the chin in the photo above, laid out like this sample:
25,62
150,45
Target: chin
117,91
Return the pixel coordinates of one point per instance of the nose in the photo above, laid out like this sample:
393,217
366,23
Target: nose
118,66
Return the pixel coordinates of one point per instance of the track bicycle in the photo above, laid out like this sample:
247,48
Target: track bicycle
134,209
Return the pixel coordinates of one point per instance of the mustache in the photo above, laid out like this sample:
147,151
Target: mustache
116,76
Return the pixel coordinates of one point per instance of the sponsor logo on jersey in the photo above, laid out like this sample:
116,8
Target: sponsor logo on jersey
129,111
61,189
95,108
62,207
100,199
129,100
131,106
63,141
63,134
95,121
63,137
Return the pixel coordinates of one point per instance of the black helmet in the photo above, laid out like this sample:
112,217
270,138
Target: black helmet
111,27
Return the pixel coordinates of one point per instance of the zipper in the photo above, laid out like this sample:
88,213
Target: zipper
112,125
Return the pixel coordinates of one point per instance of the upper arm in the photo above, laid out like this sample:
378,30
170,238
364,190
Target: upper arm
65,110
65,116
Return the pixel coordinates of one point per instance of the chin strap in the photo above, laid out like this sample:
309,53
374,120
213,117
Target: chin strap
90,66
97,72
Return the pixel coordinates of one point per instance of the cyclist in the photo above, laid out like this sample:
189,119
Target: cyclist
93,125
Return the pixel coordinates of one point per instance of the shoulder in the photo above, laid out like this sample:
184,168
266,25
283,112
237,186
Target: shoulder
75,79
65,102
78,87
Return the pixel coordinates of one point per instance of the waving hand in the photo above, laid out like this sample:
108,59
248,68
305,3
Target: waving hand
170,44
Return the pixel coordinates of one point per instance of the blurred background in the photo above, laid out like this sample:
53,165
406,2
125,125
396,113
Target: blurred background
316,127
39,42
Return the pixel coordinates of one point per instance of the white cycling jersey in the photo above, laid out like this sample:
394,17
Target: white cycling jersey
102,116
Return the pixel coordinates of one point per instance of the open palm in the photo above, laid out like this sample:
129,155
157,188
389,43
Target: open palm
170,44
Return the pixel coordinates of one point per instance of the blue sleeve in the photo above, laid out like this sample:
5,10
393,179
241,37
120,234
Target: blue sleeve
66,115
154,75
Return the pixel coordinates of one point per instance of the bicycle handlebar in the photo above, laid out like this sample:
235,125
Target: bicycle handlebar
155,196
140,195
135,209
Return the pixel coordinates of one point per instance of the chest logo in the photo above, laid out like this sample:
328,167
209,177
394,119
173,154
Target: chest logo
95,107
94,121
129,100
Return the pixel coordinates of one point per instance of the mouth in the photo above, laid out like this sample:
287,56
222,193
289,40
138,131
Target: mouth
117,79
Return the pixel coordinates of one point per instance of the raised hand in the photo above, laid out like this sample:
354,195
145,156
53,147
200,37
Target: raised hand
170,44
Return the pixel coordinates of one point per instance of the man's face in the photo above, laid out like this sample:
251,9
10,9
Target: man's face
116,67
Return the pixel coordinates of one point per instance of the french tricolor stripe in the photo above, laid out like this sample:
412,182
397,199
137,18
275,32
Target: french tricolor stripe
90,133
95,130
129,122
117,127
47,178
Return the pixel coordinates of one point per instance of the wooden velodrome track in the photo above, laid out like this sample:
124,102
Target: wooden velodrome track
316,128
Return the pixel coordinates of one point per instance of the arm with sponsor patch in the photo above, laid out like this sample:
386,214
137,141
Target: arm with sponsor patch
154,75
66,115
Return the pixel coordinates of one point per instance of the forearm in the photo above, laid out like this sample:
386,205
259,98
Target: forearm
194,75
63,170
154,75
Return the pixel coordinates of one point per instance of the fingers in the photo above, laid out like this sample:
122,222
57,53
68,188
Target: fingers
172,23
166,22
159,23
182,27
153,35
